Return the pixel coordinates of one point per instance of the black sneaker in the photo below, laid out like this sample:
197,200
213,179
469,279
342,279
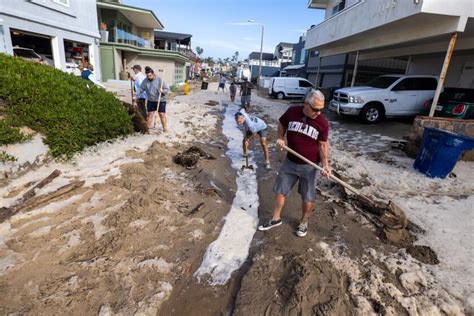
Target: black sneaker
270,225
302,230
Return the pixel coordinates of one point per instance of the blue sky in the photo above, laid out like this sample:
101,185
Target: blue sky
209,21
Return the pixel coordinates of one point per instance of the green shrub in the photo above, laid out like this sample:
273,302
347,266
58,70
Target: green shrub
70,112
6,157
10,135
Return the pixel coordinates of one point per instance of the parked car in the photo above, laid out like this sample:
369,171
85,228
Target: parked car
453,102
284,87
385,96
28,54
47,59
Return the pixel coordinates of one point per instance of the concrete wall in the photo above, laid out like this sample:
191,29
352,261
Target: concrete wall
78,22
370,24
167,65
422,65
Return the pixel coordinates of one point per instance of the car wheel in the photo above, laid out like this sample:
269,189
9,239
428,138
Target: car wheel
280,95
372,113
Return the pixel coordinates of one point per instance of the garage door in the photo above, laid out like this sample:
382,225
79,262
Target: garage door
38,43
331,80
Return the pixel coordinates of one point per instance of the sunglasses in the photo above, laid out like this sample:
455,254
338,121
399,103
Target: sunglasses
315,110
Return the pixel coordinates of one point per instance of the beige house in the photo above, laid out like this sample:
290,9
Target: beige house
128,38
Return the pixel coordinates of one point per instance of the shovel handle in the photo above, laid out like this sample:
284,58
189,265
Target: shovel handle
334,178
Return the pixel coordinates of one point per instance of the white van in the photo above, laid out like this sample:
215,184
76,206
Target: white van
284,87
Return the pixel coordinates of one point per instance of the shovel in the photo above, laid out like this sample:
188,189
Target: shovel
372,206
246,153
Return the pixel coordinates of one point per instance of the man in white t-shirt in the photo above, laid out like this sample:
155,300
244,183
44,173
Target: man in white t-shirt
253,126
139,96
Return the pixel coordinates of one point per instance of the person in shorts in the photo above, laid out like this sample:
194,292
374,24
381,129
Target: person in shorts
222,82
253,126
151,85
233,91
245,92
306,131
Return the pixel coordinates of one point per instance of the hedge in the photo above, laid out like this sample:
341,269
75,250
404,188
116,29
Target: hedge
70,112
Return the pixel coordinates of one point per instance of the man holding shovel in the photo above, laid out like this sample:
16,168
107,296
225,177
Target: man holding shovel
155,90
253,126
306,131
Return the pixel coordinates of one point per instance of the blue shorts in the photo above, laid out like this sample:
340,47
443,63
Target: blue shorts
162,107
151,106
290,173
262,133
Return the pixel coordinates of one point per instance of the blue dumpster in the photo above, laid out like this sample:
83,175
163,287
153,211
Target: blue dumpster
439,151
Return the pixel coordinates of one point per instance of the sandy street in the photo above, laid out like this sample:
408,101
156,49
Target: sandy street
146,236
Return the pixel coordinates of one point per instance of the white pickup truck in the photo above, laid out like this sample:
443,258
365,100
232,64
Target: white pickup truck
385,96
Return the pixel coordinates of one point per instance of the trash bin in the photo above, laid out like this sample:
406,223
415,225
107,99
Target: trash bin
439,152
204,85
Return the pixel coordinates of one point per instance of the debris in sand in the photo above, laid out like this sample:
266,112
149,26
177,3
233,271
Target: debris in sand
211,103
196,208
190,157
423,253
6,213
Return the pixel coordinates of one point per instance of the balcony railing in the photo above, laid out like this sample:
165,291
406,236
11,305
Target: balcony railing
132,39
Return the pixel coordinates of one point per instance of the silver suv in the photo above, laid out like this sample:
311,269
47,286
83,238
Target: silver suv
390,95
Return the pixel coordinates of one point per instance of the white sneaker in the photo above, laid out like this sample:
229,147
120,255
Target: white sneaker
302,229
267,165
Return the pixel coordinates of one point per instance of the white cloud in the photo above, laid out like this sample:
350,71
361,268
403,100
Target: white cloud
240,23
249,38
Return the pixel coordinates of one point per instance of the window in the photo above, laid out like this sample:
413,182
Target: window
302,56
305,84
408,84
426,84
339,7
382,82
62,2
178,73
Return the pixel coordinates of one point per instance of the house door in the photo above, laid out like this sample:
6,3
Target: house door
107,63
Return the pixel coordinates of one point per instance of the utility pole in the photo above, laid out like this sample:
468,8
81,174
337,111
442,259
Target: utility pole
261,54
261,51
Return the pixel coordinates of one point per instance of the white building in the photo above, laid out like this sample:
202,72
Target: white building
59,30
419,31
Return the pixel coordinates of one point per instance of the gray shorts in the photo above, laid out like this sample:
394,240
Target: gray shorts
245,99
262,133
290,173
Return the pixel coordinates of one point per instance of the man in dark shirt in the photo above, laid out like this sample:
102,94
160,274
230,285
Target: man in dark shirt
306,131
245,92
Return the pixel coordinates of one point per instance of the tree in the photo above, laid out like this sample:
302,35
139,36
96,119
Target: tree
235,57
199,51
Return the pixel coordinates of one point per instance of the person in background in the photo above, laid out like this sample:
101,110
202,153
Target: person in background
87,73
151,85
233,91
222,82
253,126
140,96
245,92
